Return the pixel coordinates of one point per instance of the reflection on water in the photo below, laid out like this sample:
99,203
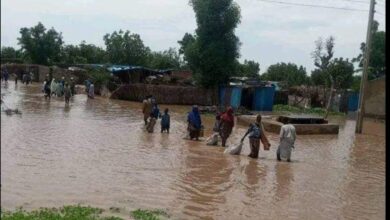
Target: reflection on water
95,152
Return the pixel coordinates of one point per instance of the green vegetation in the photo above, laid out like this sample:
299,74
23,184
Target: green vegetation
168,59
288,72
213,52
141,214
298,110
249,69
377,66
64,213
41,46
83,53
99,77
78,212
126,48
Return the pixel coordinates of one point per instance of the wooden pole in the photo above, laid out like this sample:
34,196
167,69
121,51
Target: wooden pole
359,121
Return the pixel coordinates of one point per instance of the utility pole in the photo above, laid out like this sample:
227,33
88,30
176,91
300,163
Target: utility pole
366,62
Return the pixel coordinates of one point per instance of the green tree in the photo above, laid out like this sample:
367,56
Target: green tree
71,55
212,56
342,71
187,40
318,78
125,48
356,83
190,51
83,53
288,72
40,45
11,53
92,53
249,69
322,56
168,59
377,65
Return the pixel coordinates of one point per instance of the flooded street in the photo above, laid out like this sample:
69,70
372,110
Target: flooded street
96,153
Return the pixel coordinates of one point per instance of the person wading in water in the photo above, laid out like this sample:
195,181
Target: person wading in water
154,115
227,124
287,140
72,86
194,123
165,121
147,108
256,133
67,93
91,92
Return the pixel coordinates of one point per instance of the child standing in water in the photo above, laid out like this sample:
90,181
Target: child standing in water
165,121
67,93
154,115
151,123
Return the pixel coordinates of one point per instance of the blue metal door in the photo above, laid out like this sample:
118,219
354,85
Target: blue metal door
235,99
264,98
353,102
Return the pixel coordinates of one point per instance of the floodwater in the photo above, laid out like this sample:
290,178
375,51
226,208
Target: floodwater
96,153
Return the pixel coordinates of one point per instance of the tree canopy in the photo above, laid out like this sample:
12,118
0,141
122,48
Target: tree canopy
322,55
168,59
83,53
41,46
288,72
339,70
342,71
249,69
212,53
11,53
377,65
126,48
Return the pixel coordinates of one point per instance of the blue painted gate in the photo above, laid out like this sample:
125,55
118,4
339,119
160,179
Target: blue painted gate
235,99
353,102
230,96
263,99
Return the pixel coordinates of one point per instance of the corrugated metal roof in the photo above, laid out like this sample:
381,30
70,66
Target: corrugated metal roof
116,69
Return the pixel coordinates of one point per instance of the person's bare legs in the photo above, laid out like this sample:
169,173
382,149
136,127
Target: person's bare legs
223,142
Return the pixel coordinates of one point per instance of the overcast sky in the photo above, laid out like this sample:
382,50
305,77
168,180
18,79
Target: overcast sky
269,32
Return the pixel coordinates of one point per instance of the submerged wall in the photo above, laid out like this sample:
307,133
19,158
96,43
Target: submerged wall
166,94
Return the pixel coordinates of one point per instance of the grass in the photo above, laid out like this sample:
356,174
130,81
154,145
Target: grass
297,110
64,213
141,214
78,212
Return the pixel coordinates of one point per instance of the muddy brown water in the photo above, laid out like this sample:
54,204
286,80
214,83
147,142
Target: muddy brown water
96,153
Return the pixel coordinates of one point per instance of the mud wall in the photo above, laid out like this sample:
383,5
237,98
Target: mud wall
167,94
375,105
39,71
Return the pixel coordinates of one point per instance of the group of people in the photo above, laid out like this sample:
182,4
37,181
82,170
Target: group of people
89,88
223,128
27,78
151,113
224,125
59,88
4,75
66,89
